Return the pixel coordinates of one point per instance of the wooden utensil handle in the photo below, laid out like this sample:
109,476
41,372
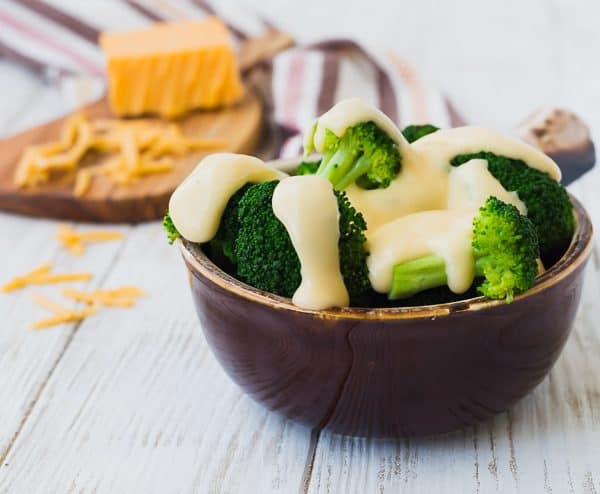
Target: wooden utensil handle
563,136
257,50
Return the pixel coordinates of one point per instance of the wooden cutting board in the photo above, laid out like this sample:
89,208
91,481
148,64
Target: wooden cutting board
239,126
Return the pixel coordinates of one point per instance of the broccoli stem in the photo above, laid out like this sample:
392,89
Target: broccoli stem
335,166
414,276
421,274
360,167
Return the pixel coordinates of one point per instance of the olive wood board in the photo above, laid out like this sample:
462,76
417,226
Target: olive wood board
239,126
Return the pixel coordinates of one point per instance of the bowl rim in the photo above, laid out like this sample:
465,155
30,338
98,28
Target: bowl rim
577,254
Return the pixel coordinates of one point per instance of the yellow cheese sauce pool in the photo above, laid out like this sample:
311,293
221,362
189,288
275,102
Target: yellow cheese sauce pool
428,209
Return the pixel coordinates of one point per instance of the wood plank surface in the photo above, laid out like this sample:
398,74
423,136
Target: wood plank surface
138,403
133,401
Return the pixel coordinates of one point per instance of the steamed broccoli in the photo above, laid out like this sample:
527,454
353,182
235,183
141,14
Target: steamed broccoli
170,229
265,255
505,249
222,245
415,132
264,252
364,154
548,205
307,168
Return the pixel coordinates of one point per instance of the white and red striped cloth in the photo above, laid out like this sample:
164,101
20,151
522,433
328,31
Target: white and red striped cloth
58,40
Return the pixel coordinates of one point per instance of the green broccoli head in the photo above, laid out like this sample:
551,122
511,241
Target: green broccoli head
413,133
307,168
353,255
222,245
265,255
170,229
364,154
548,205
505,250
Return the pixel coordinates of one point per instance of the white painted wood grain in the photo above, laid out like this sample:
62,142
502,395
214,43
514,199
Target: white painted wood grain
28,357
138,404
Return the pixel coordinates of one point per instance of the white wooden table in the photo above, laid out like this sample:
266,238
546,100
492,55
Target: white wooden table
133,401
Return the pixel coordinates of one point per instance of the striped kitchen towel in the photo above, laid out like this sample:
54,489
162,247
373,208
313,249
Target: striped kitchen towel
58,40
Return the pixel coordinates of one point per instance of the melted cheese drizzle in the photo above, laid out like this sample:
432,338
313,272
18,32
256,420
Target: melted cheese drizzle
441,146
445,233
423,180
197,204
348,113
315,238
470,184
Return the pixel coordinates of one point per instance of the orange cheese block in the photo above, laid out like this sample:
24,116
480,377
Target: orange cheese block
172,68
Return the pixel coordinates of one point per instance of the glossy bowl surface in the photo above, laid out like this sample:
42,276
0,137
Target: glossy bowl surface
389,372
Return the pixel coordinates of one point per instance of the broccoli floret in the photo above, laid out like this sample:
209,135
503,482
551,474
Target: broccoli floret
364,154
264,252
353,255
222,245
415,132
505,250
267,260
169,226
307,168
548,205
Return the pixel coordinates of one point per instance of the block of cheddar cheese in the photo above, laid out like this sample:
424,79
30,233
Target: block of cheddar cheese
171,68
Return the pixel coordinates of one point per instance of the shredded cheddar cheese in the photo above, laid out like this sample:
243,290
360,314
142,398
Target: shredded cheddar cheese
43,276
50,305
62,314
76,242
135,149
125,296
119,297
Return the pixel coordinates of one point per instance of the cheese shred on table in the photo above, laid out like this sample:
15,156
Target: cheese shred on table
62,314
119,297
75,242
43,276
132,149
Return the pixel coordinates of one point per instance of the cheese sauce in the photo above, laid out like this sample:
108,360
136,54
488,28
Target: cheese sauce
445,233
420,186
470,184
314,231
423,182
440,147
197,204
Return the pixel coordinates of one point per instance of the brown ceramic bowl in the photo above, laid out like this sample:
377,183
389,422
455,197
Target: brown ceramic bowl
389,372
